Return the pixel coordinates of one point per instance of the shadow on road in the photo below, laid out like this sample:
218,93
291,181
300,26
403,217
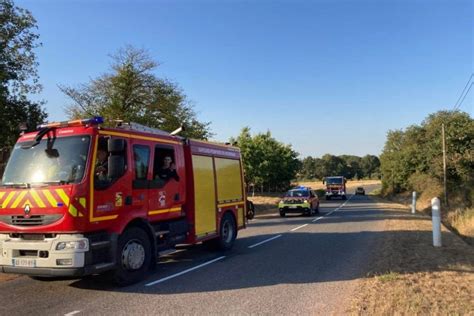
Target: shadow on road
295,258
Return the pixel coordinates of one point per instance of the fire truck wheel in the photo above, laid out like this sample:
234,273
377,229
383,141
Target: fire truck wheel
133,257
228,232
282,214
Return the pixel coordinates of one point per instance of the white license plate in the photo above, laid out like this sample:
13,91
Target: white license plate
293,206
23,262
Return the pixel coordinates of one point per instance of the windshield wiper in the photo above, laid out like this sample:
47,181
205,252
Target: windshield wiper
22,185
55,182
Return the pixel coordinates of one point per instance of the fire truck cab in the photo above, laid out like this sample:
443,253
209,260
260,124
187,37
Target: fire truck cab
335,186
78,199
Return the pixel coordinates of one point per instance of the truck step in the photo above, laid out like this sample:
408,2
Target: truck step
162,232
100,244
166,252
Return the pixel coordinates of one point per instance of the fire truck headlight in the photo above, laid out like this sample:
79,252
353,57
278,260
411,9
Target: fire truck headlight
64,262
82,244
305,201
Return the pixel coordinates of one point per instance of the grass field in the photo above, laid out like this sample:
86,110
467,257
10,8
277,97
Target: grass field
350,184
411,277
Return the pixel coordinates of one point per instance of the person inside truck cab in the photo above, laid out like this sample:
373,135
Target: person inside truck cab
101,165
168,170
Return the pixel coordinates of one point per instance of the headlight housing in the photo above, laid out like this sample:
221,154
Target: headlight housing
82,244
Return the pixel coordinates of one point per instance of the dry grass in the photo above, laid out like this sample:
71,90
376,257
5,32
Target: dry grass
410,277
265,204
463,221
459,217
351,184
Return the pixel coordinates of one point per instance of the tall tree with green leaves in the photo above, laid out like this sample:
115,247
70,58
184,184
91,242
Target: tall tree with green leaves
18,72
414,155
269,164
133,93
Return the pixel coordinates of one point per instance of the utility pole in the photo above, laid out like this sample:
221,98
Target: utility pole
444,166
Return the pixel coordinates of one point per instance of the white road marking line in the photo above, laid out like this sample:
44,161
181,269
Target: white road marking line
265,241
184,272
317,219
296,228
72,313
335,210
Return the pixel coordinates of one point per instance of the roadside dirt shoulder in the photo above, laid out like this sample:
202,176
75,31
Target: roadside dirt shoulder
410,276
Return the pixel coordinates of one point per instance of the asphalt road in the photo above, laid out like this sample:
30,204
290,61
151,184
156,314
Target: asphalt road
292,265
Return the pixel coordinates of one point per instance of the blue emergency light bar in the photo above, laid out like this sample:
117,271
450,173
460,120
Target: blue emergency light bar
82,122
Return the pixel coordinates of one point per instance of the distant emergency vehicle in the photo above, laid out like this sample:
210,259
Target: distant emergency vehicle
301,200
335,187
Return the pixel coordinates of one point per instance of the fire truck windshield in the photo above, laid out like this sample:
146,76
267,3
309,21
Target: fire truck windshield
52,161
337,180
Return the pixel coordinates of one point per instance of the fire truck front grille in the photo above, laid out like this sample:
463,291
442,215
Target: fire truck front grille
33,220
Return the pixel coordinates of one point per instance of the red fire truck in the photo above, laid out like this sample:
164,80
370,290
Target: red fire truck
335,186
79,199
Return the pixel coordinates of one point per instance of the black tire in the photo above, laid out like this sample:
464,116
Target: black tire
344,197
328,198
227,234
282,213
133,257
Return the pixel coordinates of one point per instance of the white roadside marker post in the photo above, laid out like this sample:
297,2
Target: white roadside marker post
436,218
413,203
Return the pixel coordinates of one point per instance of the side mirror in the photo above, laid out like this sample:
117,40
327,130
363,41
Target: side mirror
116,167
115,145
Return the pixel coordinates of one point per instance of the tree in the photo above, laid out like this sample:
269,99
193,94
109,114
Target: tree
133,93
268,163
15,112
348,166
370,166
414,155
18,72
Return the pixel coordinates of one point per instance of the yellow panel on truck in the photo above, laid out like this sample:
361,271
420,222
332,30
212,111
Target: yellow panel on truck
229,184
204,195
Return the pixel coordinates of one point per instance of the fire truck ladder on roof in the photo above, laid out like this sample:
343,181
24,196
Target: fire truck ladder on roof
141,128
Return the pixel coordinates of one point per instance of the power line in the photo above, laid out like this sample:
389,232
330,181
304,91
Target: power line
456,106
467,92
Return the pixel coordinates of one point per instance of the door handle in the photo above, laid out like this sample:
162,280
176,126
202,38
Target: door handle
128,200
176,197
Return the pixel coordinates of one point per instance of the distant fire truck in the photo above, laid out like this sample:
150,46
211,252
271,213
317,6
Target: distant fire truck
335,186
79,199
